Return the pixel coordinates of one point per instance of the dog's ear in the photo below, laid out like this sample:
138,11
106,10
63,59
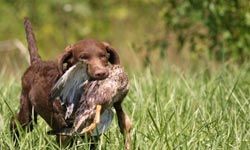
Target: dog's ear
65,58
113,55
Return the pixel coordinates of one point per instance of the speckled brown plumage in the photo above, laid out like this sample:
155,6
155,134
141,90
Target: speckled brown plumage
102,92
95,104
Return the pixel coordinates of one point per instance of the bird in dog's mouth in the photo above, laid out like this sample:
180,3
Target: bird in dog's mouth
89,102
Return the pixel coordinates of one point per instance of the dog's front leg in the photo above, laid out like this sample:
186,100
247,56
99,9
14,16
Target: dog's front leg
124,123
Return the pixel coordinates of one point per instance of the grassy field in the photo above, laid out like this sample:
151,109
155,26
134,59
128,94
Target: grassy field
170,110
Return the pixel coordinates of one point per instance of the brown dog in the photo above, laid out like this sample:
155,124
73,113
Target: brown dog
40,77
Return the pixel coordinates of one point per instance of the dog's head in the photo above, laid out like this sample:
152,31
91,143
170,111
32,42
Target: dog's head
97,56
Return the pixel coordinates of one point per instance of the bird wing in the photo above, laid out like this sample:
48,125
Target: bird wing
105,122
68,87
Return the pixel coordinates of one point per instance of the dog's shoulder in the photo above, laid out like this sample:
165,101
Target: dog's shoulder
43,71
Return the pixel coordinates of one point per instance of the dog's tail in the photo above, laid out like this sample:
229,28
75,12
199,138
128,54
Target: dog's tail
33,50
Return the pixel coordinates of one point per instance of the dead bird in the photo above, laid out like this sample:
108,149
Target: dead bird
95,104
99,96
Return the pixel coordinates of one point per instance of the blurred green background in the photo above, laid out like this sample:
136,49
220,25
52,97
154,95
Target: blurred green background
187,61
147,33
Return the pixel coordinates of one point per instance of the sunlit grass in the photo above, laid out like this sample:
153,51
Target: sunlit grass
169,110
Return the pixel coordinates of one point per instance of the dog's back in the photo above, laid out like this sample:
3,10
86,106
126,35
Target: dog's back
38,69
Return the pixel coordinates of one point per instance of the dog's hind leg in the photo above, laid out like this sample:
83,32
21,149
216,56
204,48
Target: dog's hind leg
24,116
124,123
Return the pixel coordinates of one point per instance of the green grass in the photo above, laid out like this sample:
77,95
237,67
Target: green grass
169,110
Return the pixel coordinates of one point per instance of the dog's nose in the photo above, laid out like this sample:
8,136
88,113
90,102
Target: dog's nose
101,74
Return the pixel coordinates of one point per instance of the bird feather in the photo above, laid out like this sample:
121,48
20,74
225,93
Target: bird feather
69,86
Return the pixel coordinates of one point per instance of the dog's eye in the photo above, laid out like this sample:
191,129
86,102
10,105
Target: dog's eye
103,56
83,57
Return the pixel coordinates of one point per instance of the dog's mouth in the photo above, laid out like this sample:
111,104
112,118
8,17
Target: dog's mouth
97,78
99,74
